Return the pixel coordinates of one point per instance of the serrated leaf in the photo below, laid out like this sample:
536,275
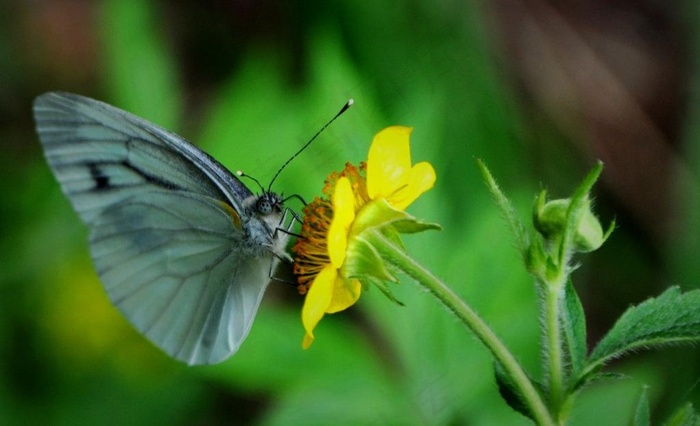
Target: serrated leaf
510,393
672,318
574,324
641,413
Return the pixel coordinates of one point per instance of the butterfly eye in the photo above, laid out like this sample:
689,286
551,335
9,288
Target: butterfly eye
264,206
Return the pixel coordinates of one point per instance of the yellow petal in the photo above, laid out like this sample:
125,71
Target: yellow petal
308,340
388,161
343,215
345,294
420,179
317,301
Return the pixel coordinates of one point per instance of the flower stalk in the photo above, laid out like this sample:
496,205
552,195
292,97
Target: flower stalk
554,347
395,255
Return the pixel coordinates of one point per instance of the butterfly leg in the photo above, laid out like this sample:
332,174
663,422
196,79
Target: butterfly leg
289,219
285,267
287,229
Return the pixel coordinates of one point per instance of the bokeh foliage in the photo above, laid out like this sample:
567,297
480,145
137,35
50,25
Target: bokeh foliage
250,84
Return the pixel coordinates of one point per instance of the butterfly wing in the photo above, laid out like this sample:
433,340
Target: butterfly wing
172,264
166,225
102,155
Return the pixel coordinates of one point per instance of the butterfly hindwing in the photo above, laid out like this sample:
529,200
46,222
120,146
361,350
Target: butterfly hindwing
170,264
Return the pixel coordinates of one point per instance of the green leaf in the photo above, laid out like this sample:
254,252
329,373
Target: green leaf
507,209
377,214
510,393
672,318
390,233
370,281
641,414
412,226
684,416
363,260
574,324
380,214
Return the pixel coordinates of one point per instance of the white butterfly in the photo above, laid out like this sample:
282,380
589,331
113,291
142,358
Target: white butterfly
183,248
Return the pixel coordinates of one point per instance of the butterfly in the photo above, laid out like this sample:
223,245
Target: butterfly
183,248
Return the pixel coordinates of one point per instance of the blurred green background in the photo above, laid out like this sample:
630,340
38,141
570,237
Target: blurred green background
538,89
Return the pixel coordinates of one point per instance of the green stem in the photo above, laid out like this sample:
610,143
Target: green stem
554,346
469,317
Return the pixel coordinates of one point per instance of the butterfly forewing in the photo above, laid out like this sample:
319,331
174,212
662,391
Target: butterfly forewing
102,155
170,234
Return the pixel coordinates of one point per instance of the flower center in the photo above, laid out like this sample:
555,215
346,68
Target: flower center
311,249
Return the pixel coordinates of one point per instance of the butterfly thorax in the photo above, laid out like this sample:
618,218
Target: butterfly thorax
263,232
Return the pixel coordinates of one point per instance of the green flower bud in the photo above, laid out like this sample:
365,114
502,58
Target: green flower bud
550,220
589,234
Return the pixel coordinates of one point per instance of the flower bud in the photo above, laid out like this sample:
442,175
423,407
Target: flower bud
550,219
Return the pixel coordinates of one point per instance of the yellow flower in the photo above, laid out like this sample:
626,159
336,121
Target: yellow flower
329,252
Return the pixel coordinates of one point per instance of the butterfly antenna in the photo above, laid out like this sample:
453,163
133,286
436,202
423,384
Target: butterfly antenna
345,107
241,174
297,196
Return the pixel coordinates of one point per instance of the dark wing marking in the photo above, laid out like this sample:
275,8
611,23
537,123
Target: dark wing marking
102,155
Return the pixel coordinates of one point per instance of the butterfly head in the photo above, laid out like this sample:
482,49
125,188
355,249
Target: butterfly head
268,203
